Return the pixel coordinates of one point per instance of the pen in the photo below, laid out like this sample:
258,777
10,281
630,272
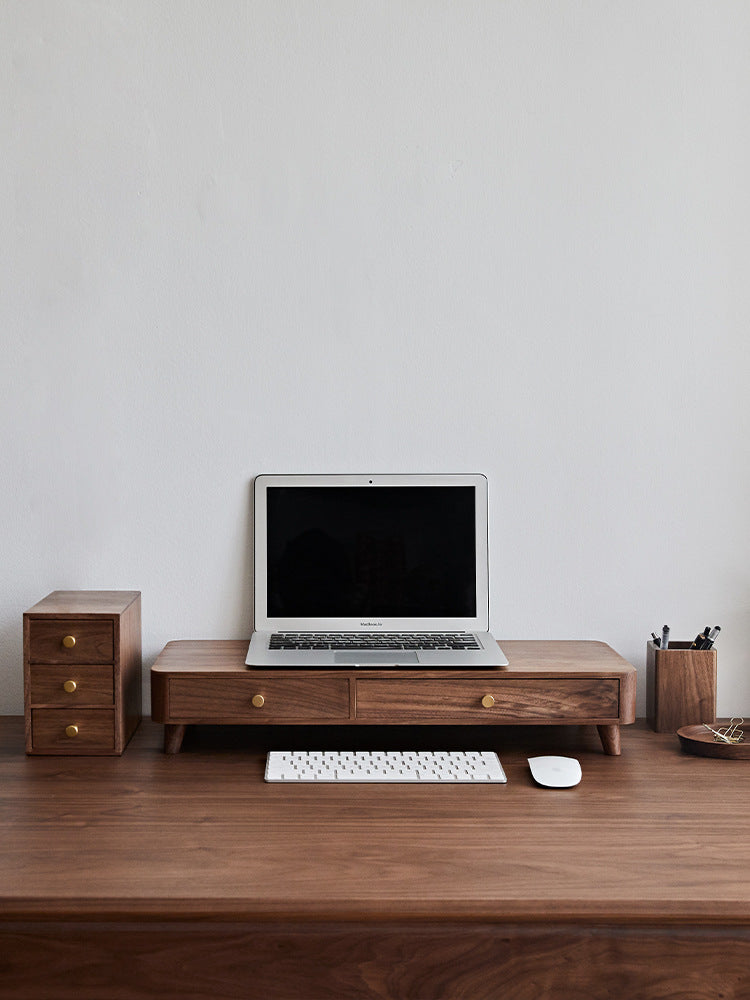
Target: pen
700,638
655,637
711,637
665,637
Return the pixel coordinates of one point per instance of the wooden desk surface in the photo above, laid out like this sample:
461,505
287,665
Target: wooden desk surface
651,838
652,835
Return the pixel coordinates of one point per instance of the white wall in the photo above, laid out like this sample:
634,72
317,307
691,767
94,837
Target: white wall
379,235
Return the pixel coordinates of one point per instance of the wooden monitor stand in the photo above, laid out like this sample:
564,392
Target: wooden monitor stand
566,682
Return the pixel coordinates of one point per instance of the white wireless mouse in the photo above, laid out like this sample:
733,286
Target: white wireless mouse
555,772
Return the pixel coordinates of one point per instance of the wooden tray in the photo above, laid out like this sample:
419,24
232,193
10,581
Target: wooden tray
697,740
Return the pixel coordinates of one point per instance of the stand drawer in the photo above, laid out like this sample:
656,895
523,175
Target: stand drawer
73,731
56,640
493,701
77,684
258,700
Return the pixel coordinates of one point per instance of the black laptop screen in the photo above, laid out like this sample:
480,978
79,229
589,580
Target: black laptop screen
371,551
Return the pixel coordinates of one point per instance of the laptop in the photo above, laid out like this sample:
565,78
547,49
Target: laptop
371,571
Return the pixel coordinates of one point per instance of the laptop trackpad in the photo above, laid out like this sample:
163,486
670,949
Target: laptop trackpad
373,658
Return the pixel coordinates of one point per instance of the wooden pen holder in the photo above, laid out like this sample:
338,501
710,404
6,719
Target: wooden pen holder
680,686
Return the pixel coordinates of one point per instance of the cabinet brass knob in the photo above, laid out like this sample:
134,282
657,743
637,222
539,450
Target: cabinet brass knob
258,701
69,641
71,731
488,701
69,686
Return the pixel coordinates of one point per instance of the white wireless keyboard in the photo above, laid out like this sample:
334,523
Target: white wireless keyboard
398,766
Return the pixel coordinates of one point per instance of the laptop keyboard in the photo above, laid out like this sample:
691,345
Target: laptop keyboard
370,640
426,767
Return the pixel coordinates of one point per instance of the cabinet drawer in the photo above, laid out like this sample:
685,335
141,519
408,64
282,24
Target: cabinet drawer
77,684
50,730
277,699
510,700
57,640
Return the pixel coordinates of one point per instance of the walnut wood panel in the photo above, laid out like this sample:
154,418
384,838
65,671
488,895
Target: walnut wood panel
129,666
67,603
231,698
95,729
154,876
358,961
93,684
94,640
576,700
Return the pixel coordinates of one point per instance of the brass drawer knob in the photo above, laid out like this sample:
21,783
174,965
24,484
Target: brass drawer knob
69,686
258,701
488,701
71,731
69,641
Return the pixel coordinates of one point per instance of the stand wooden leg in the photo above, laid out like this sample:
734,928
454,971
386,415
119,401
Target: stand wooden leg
173,735
610,737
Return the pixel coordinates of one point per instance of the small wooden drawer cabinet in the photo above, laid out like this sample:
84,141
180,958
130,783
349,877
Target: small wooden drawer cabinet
82,672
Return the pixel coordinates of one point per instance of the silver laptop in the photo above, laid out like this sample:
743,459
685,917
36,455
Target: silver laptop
372,571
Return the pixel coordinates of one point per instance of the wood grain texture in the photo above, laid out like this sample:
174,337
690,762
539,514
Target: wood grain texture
610,737
206,961
515,699
93,685
128,673
527,657
680,686
94,640
104,661
302,697
577,682
95,730
63,603
150,875
653,834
